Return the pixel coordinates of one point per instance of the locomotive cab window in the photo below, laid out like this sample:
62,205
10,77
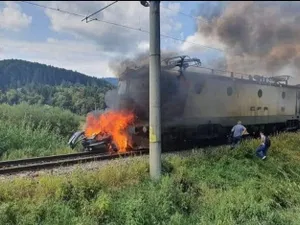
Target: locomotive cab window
259,93
283,95
229,91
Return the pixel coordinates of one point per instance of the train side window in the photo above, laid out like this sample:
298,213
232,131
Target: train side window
282,109
259,93
229,91
283,95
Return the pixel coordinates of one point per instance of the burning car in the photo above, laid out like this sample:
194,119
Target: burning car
108,131
95,142
124,125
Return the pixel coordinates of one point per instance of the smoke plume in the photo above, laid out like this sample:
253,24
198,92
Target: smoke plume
135,73
259,36
120,64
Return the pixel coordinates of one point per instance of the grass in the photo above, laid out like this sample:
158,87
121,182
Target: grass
218,186
23,141
62,122
32,131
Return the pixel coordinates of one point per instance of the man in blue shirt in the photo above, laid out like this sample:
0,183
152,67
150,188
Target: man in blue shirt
238,131
261,151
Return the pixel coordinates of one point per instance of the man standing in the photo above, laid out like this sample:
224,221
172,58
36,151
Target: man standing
261,151
238,131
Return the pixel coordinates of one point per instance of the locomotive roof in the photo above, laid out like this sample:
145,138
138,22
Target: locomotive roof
138,72
264,80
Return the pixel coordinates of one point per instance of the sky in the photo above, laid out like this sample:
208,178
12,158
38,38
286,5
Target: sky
54,38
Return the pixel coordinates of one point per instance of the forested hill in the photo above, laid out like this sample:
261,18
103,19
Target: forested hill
34,83
112,80
16,73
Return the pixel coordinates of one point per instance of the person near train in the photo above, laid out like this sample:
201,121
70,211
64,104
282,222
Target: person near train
265,144
237,133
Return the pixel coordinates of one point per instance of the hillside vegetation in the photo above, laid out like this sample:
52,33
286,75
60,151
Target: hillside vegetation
34,83
15,73
33,130
216,186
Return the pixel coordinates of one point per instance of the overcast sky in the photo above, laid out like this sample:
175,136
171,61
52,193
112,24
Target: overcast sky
37,34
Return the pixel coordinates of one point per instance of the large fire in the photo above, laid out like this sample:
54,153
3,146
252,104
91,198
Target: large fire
111,123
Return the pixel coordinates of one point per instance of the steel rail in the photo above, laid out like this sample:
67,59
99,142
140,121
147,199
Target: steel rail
45,158
49,162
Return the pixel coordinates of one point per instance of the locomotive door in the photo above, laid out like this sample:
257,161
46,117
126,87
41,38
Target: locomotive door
298,102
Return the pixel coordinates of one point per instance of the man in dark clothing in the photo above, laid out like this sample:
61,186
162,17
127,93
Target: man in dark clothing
261,151
238,131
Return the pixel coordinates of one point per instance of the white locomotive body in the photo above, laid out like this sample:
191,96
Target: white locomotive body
206,105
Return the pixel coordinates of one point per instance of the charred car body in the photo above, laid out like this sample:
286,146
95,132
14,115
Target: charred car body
198,105
92,143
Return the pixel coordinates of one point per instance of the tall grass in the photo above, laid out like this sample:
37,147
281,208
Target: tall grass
61,121
218,186
31,131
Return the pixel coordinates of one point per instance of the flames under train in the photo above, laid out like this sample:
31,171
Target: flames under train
197,105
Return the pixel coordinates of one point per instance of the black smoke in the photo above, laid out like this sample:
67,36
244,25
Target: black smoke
120,64
210,9
135,72
261,36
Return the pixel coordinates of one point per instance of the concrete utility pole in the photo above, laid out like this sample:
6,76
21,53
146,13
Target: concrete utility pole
154,92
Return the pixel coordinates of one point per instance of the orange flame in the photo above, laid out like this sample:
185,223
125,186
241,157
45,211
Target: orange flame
112,124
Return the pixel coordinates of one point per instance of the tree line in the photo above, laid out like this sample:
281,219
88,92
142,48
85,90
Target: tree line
34,83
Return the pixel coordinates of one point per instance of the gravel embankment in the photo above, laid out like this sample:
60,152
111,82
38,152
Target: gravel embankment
90,166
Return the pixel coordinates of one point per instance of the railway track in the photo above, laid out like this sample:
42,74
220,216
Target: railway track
48,162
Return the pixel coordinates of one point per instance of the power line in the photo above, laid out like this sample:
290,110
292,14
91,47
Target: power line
54,9
105,7
123,26
186,14
190,42
80,15
191,16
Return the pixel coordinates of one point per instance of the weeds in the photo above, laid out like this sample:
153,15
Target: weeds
32,131
220,187
60,121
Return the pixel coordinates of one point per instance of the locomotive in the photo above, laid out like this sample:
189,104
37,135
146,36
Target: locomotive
201,105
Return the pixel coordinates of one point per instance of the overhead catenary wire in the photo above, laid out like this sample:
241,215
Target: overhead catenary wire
54,9
186,14
105,7
200,19
208,23
132,28
123,26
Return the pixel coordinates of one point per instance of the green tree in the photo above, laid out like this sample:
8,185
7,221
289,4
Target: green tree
34,83
12,96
